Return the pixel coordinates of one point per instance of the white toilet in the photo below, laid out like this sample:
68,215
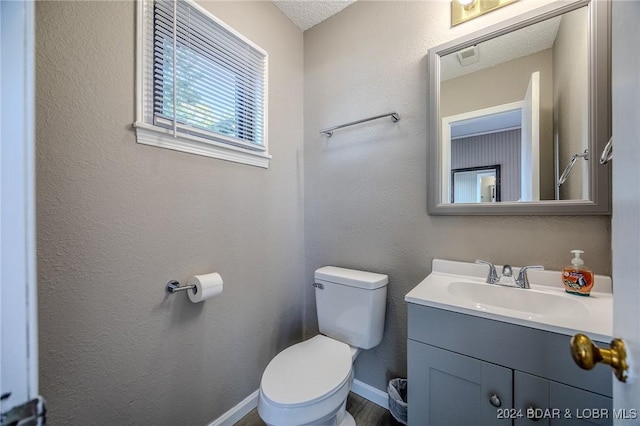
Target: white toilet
308,383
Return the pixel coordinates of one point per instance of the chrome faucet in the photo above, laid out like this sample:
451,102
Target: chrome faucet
506,278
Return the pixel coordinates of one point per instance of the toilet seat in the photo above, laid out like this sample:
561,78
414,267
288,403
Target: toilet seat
307,372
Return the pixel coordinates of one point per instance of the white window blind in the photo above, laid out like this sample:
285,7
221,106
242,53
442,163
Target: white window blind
202,82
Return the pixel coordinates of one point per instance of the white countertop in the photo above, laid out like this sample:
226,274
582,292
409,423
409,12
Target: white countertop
596,311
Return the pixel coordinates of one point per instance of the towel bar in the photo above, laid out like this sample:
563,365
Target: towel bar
395,117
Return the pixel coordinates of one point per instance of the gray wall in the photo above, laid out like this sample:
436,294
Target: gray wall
117,220
365,187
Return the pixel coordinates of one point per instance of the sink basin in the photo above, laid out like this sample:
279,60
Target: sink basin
461,287
527,301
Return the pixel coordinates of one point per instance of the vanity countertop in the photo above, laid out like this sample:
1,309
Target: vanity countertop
545,305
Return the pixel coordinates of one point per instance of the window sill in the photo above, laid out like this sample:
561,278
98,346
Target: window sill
150,135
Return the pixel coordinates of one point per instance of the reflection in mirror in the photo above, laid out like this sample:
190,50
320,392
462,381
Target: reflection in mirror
521,99
476,184
497,135
526,97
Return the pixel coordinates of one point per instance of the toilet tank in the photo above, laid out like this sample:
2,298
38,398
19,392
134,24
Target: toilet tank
351,305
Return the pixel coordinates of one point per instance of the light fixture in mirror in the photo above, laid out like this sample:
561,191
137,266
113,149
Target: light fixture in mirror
464,10
530,95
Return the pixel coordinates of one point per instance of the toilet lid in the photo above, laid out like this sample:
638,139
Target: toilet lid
306,371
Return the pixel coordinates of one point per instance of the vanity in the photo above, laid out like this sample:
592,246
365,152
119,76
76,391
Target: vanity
484,354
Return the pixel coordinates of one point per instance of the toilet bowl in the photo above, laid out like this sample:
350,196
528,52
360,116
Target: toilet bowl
308,383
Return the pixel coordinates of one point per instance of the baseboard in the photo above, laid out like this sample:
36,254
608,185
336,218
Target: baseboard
245,406
374,395
239,411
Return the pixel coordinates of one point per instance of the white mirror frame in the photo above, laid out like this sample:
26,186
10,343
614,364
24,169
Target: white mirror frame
599,117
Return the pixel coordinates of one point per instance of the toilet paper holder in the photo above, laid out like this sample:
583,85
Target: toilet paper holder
173,286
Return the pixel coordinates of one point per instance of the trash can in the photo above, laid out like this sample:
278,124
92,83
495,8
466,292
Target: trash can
397,391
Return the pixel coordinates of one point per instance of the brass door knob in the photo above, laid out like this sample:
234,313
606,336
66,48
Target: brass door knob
586,354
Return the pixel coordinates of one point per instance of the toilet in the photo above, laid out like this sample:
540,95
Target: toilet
308,383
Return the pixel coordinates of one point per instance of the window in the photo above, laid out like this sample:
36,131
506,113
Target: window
201,85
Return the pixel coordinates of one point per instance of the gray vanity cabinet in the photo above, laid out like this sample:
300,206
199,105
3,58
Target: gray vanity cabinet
453,389
587,408
532,395
466,370
546,402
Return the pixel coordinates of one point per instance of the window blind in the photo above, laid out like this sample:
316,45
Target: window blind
207,80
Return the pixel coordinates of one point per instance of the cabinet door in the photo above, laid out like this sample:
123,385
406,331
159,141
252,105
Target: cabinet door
580,407
446,388
531,399
545,402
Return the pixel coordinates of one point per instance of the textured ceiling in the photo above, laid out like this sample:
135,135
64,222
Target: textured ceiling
307,13
525,41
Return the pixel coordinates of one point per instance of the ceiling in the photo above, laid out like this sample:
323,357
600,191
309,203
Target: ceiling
516,44
307,13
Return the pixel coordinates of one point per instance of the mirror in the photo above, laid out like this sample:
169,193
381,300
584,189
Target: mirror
519,114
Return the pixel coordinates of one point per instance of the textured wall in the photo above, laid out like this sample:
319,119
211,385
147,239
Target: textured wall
365,187
117,220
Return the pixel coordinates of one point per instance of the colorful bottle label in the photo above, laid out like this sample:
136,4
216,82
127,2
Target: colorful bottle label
577,281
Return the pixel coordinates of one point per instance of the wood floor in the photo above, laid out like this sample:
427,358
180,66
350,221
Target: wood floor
365,413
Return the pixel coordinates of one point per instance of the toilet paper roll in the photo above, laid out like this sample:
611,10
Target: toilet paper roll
207,286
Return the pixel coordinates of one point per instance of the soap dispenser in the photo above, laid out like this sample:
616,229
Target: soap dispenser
577,278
